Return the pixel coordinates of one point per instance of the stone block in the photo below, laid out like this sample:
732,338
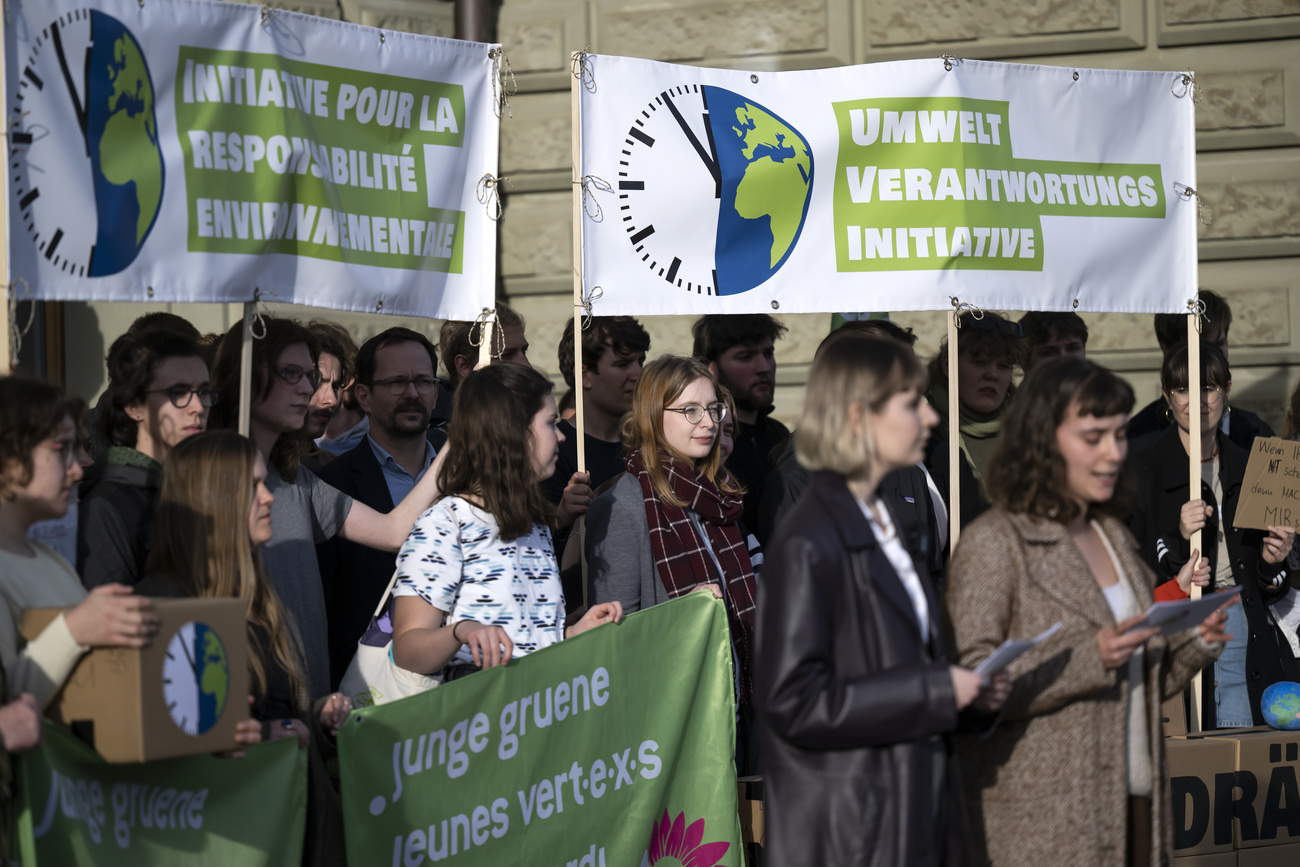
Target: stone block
538,134
1251,198
1185,22
1204,11
680,30
536,234
1241,100
428,19
538,37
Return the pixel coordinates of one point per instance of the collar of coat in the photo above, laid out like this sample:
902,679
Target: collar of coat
1174,468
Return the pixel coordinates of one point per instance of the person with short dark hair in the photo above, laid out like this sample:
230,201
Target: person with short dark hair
458,343
159,395
1240,425
397,388
336,364
1051,335
740,352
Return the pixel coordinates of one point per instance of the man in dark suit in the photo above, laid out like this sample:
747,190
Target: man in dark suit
396,388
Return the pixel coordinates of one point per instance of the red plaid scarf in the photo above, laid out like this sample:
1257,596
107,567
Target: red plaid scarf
682,558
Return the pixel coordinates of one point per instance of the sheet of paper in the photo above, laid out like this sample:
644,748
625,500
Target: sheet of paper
1010,649
1185,613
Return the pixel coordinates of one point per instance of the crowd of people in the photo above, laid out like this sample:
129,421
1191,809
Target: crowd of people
374,500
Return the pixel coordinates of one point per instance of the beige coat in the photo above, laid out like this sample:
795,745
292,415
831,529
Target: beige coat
1050,784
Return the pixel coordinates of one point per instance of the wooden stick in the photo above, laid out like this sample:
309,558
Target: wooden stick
579,418
488,334
1194,468
954,444
246,369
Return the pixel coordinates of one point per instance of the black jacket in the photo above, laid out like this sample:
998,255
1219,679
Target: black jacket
115,522
1162,478
854,706
973,501
757,447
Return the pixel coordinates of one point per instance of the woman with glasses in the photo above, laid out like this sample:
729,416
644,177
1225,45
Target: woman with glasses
1166,515
671,524
158,395
306,511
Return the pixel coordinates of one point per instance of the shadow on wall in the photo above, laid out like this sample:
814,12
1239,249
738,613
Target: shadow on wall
84,350
1261,397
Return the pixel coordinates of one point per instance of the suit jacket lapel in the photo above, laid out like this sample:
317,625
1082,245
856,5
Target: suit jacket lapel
372,488
1060,570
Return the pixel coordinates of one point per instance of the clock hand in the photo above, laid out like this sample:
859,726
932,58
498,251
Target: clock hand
190,657
710,162
77,107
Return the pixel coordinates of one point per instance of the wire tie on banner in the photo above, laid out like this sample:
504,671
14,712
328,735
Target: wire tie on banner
585,306
257,320
949,60
590,184
1197,307
489,194
17,334
13,123
501,91
1187,81
268,13
960,307
582,70
1202,210
487,315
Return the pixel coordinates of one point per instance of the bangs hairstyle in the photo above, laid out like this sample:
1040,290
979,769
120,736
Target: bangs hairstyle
1215,372
202,543
855,370
1027,474
490,447
662,382
715,333
31,411
280,335
132,361
622,334
993,336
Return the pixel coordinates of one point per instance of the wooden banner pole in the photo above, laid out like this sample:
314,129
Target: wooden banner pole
954,444
1194,722
579,418
246,369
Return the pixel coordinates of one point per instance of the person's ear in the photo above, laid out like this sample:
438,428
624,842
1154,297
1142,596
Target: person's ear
464,367
713,369
586,378
135,411
362,394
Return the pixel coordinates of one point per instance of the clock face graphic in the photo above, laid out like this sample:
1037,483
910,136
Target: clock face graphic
195,677
83,129
697,155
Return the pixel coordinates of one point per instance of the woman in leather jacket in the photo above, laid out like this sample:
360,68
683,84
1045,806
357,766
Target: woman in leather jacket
855,693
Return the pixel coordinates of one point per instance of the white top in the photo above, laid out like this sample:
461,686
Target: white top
902,562
455,560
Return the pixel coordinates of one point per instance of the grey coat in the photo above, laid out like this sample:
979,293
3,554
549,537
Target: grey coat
620,564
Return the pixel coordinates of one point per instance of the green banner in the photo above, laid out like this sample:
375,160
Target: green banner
611,749
77,809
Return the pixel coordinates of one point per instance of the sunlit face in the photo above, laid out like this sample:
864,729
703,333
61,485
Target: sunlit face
1093,450
609,388
259,511
749,370
284,409
1056,346
325,400
982,382
403,414
160,424
544,437
901,428
55,473
691,441
516,346
1213,403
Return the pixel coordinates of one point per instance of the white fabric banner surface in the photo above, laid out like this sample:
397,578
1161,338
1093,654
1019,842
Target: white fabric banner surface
194,150
890,186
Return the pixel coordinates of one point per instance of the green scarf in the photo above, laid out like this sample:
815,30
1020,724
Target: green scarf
129,457
982,433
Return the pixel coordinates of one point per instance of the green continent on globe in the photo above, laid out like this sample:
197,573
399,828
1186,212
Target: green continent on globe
127,147
1286,710
216,671
776,178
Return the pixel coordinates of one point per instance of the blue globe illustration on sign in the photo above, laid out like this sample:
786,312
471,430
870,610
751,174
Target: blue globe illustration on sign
122,141
1281,706
766,169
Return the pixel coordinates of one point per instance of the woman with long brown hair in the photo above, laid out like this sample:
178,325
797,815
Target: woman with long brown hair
477,582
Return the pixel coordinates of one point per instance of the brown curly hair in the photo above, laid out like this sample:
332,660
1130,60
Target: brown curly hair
1027,474
992,335
30,412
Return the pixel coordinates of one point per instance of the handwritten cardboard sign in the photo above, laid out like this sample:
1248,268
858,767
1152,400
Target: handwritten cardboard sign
1270,494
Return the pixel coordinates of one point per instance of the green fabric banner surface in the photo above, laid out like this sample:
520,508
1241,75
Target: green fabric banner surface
77,809
613,749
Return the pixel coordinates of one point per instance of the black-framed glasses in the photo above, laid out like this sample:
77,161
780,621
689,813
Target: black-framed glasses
396,386
180,395
292,374
694,412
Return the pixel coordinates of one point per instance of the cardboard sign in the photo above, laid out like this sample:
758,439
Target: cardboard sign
1196,766
1270,494
1271,856
1221,859
180,696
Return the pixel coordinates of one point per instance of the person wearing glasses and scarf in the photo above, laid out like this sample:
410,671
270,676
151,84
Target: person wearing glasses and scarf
988,349
158,395
1165,517
670,525
306,511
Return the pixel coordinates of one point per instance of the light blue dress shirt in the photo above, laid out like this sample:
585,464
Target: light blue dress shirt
399,481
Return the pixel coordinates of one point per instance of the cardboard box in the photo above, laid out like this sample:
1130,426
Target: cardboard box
1199,768
751,817
1266,800
182,695
1222,859
1173,716
1270,856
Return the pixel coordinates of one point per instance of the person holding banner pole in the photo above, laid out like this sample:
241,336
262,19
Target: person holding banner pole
306,511
1073,771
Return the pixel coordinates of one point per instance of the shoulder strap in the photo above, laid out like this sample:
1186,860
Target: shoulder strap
383,600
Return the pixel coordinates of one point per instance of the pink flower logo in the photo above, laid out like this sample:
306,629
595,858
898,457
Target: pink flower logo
674,844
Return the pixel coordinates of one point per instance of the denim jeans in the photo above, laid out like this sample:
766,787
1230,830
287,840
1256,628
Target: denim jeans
1231,697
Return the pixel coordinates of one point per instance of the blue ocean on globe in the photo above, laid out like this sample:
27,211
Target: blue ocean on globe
1281,706
122,140
766,171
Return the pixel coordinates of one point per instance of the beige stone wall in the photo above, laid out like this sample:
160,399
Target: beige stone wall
1246,54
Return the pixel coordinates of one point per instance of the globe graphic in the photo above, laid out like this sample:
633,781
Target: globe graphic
122,139
767,171
213,674
1281,706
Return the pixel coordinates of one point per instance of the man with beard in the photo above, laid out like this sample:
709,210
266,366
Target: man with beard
396,387
739,350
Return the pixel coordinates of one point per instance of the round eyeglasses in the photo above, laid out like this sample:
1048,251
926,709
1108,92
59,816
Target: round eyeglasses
180,395
694,412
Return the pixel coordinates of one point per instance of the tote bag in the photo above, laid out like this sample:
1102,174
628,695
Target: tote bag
372,676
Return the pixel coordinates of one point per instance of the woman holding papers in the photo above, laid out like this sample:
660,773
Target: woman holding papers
853,686
1073,772
1165,517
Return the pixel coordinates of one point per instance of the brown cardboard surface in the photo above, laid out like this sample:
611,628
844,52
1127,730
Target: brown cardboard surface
1173,715
751,810
1267,765
1269,856
1197,767
1270,493
1222,859
119,693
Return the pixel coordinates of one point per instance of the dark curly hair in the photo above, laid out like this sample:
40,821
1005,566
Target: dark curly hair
992,334
132,360
623,334
489,448
715,333
30,412
1027,474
